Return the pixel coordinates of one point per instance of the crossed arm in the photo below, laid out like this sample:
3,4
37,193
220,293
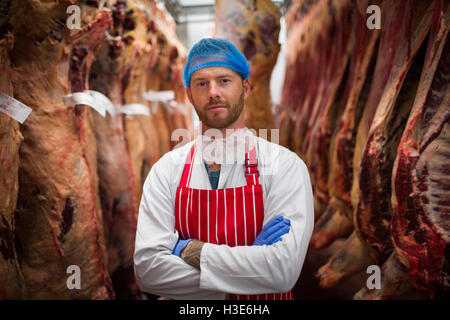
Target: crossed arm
271,234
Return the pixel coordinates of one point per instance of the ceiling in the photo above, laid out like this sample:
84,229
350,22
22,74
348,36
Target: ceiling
185,11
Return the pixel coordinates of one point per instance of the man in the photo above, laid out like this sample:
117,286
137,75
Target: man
214,228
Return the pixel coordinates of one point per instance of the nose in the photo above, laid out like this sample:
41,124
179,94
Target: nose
213,91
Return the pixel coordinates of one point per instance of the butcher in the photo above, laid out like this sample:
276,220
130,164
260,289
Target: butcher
228,215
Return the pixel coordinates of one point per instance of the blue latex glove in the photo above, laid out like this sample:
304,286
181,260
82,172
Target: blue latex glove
181,244
273,231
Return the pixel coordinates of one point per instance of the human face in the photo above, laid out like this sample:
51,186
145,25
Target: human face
218,95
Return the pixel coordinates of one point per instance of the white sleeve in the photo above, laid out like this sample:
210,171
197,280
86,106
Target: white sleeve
157,270
274,268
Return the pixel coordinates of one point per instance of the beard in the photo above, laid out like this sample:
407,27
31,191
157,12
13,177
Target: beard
214,121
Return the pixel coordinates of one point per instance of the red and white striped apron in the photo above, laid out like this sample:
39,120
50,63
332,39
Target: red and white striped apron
231,216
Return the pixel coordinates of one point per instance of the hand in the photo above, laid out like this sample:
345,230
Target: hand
273,231
179,247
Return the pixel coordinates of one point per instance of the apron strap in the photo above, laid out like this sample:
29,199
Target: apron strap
251,167
186,176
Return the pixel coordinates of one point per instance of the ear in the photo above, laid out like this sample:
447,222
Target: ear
247,88
189,95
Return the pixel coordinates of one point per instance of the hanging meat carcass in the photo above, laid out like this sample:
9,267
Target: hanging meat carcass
167,76
406,26
178,116
158,77
253,26
284,115
151,54
337,219
181,116
317,140
58,216
169,48
420,224
10,139
309,26
116,180
312,41
301,81
139,58
372,216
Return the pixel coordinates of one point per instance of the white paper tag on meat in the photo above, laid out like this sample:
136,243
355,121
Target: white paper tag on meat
135,108
14,108
160,96
179,106
85,98
102,101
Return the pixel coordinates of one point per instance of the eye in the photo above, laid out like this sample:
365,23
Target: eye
201,83
225,81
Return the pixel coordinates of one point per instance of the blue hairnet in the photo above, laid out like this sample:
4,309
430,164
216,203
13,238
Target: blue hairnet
214,52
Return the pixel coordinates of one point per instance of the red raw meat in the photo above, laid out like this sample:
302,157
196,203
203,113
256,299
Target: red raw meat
317,140
406,26
116,180
420,222
338,220
58,216
373,213
142,51
11,278
298,94
317,55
